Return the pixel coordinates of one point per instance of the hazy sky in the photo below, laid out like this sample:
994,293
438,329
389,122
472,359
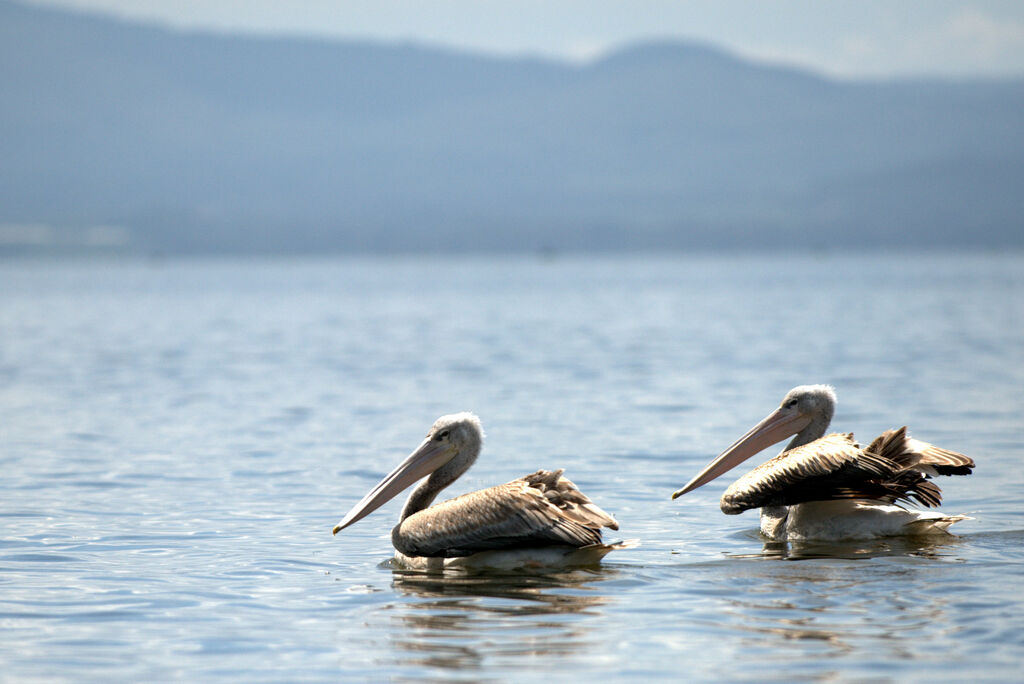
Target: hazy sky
846,38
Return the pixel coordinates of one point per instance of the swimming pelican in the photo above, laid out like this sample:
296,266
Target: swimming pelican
540,520
828,487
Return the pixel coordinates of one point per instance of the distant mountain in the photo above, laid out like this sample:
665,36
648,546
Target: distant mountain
181,142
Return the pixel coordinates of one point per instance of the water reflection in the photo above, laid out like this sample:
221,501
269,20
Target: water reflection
933,546
460,622
883,597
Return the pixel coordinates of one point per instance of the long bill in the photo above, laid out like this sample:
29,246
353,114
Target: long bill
776,426
427,458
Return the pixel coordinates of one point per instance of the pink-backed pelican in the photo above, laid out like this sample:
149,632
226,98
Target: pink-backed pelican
829,487
540,520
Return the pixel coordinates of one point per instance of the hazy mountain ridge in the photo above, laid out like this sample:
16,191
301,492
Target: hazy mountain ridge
208,142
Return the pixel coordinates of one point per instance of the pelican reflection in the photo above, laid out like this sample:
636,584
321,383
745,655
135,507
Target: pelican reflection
462,621
925,547
837,605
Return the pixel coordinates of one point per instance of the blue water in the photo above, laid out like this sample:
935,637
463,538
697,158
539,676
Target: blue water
177,439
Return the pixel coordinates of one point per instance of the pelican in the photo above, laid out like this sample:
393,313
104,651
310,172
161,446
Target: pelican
828,487
540,520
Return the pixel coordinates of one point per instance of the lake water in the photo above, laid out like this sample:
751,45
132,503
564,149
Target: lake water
177,439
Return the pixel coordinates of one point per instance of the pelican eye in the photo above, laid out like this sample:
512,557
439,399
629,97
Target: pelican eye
791,403
443,434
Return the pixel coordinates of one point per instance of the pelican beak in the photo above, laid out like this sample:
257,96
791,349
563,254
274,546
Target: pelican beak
428,457
774,428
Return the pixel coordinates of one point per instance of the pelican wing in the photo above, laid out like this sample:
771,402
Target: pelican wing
540,509
893,468
833,467
935,460
917,461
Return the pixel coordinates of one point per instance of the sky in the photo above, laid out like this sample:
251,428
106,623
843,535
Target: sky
842,38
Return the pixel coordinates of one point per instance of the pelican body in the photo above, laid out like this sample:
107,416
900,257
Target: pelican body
540,520
829,487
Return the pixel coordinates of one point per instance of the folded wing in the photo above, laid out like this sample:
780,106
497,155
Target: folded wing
540,509
893,468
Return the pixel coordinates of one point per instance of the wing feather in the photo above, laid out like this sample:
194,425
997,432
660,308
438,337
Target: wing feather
893,468
812,472
941,461
540,509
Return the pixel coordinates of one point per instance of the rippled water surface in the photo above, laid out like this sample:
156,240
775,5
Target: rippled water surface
178,438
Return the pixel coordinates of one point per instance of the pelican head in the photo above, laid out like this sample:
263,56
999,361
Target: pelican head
816,401
449,449
804,410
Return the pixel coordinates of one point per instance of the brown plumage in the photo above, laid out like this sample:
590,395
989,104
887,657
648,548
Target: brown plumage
540,509
894,467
